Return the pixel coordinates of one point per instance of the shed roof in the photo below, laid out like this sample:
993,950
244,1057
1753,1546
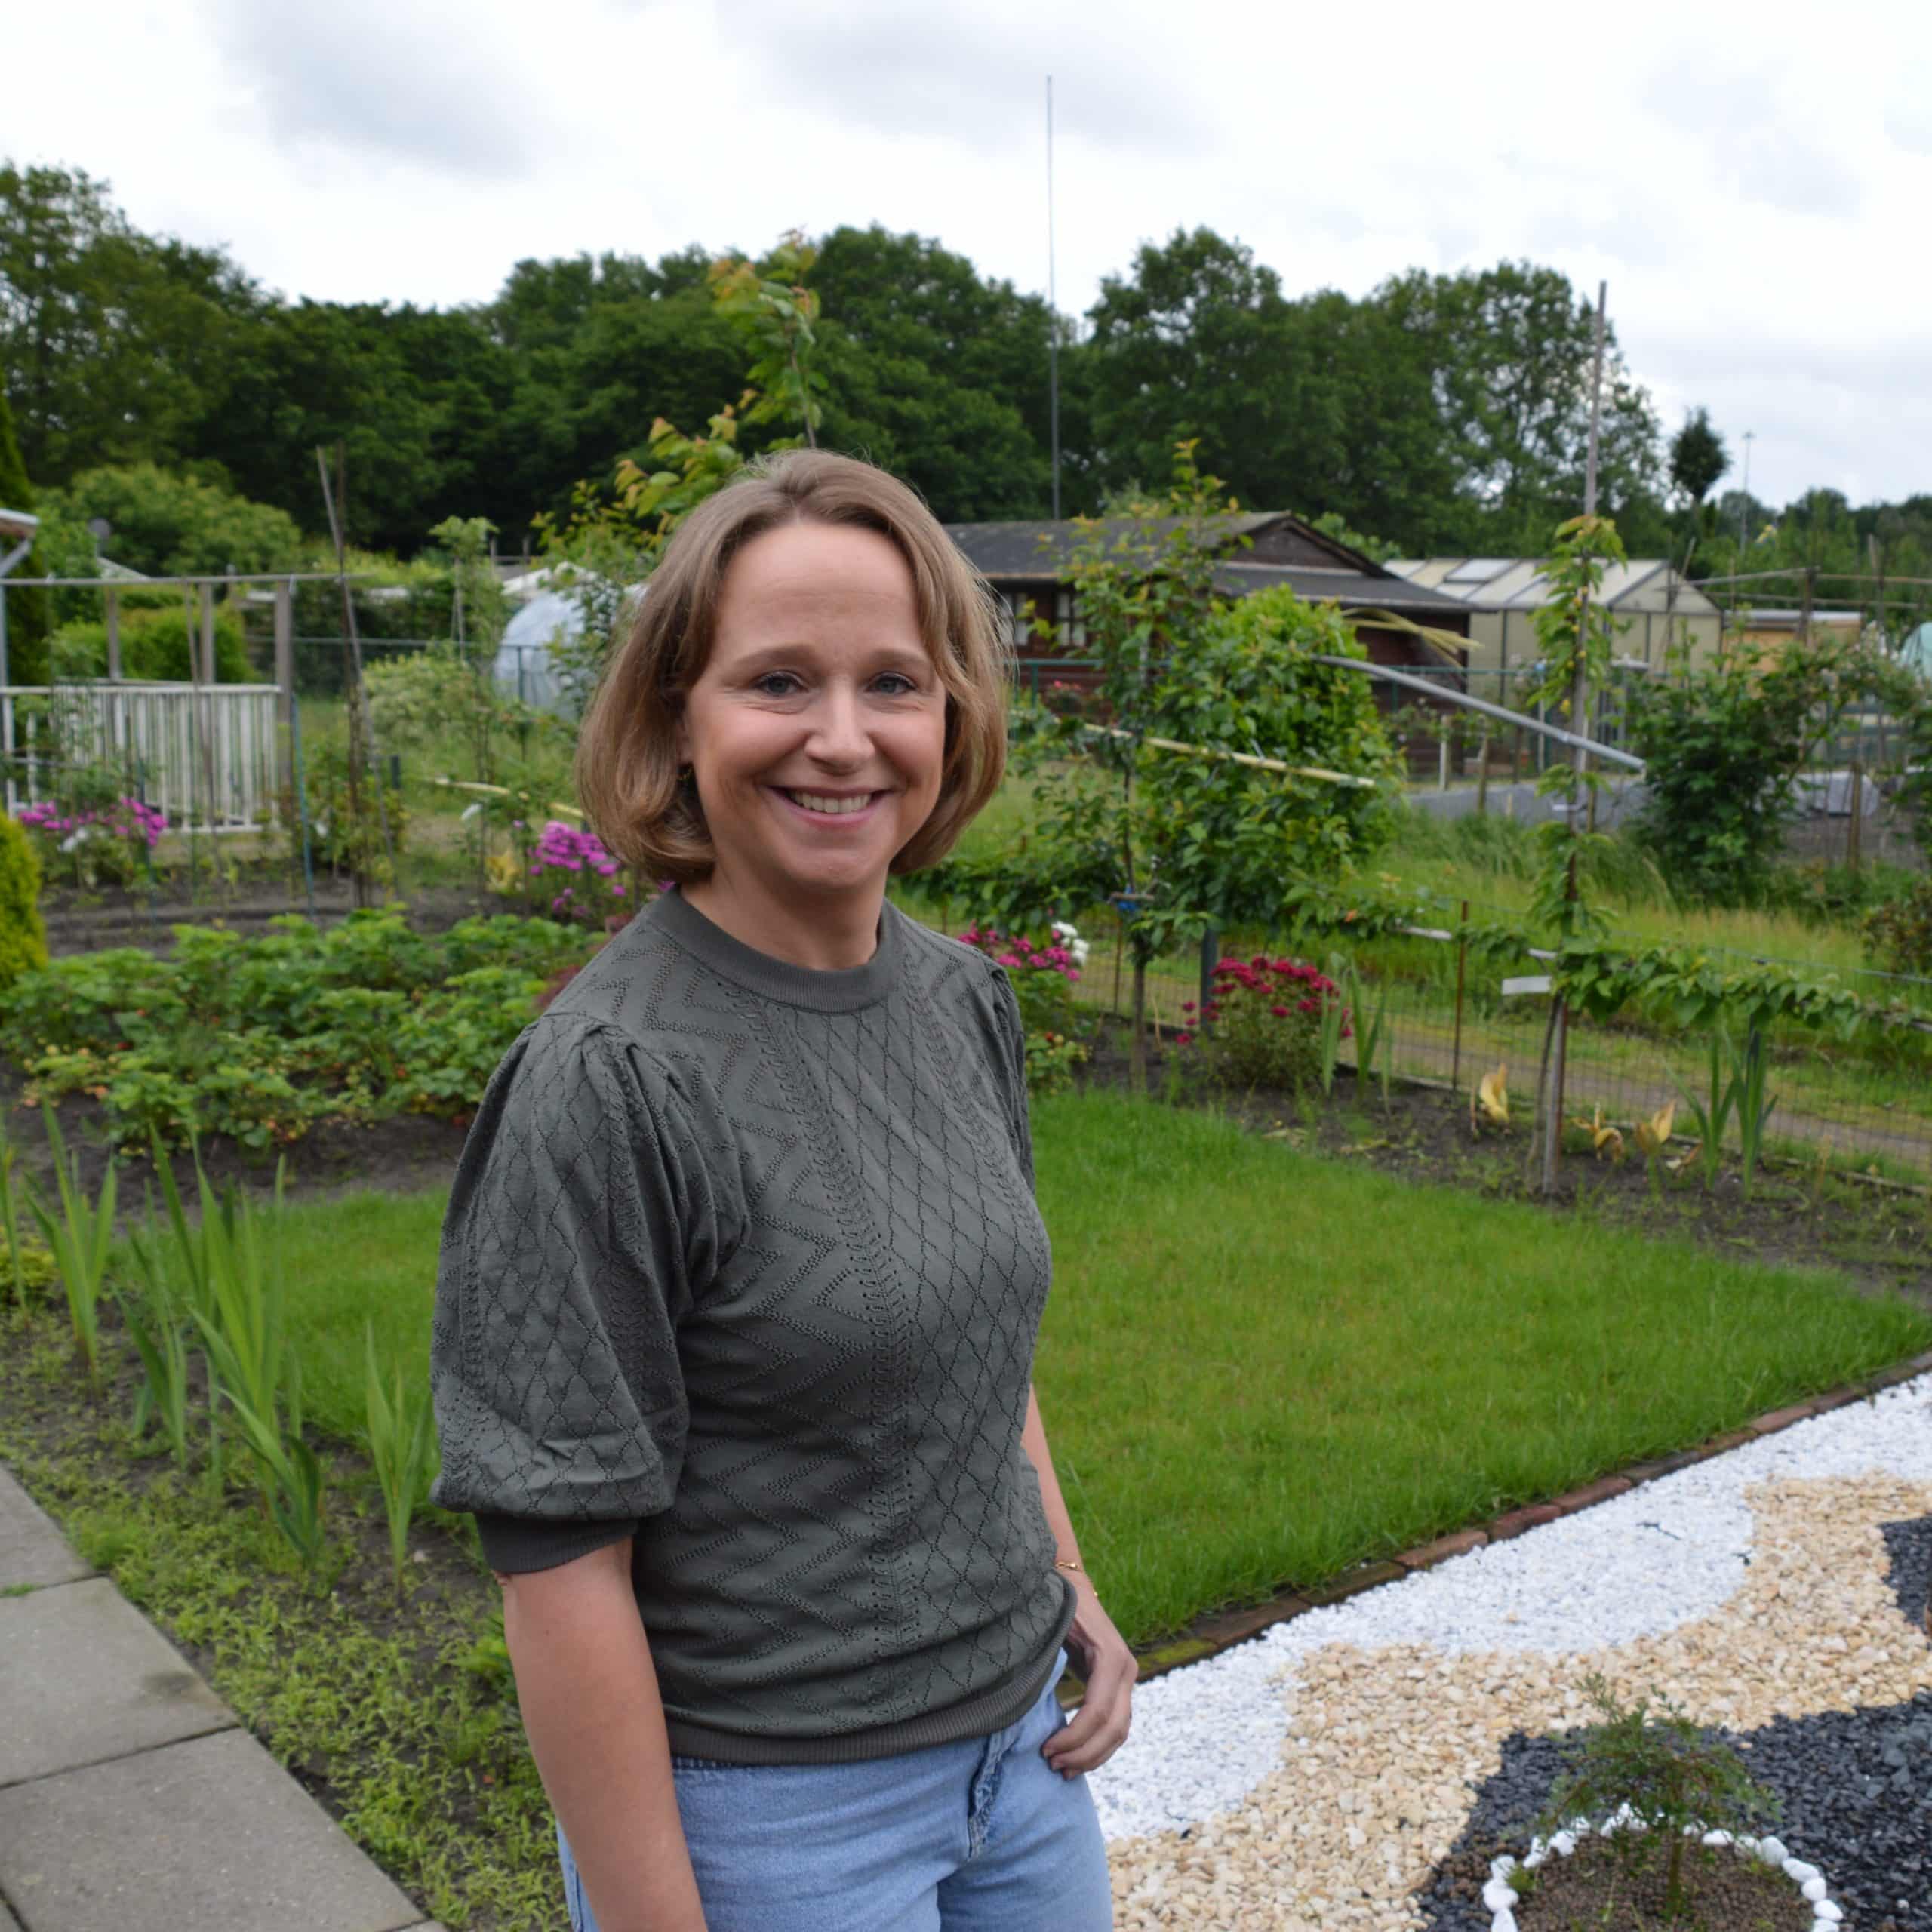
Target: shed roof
1355,588
1042,552
1519,583
18,523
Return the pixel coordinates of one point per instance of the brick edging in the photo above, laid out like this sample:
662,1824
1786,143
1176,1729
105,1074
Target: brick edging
1208,1636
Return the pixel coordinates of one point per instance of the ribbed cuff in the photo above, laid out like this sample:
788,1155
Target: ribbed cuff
515,1544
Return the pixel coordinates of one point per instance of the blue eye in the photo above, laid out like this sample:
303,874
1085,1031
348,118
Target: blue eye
775,683
901,685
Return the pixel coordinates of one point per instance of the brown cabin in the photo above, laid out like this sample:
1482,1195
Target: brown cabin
1027,566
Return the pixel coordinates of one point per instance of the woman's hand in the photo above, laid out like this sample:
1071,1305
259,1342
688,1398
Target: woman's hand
1100,1654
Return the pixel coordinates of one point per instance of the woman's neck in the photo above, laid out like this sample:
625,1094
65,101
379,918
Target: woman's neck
828,933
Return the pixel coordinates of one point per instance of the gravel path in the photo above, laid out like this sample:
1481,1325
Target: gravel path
1316,1778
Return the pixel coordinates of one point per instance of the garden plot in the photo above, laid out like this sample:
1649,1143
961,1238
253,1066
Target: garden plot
1362,1765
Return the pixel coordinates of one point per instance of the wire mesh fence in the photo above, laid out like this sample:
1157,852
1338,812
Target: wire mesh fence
1866,1104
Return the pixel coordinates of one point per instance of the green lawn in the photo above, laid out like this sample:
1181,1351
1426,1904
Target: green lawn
1258,1367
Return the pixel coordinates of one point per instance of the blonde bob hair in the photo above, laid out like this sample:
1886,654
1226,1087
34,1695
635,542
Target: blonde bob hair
641,804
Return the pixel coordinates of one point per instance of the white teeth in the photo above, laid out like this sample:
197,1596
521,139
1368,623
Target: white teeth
814,802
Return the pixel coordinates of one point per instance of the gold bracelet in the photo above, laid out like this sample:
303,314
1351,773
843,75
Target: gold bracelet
1061,1563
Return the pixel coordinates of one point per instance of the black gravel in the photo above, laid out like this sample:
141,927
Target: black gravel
1910,1545
1855,1787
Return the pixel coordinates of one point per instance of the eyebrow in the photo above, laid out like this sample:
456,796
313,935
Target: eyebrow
884,654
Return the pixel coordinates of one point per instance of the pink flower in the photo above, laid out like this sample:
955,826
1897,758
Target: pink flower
1281,1012
1183,1039
1007,959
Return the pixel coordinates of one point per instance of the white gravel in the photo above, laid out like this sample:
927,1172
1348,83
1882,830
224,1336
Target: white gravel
1642,1564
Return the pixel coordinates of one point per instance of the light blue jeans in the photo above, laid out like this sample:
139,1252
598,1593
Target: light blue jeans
979,1836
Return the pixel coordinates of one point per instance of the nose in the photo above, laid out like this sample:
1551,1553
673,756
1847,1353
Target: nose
839,738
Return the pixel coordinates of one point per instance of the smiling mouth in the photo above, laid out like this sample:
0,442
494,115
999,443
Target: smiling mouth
829,804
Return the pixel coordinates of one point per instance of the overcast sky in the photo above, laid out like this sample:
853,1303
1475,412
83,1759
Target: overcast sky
1754,181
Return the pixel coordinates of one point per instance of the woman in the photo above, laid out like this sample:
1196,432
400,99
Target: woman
742,1275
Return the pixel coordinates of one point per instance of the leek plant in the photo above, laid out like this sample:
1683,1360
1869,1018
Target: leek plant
80,1239
259,1377
1331,1023
399,1446
1750,1072
1369,1032
1712,1119
157,1325
10,1222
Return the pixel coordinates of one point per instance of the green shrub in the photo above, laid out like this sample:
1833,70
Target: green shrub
22,936
155,645
1899,932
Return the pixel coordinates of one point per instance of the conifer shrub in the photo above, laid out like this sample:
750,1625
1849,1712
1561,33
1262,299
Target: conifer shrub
22,936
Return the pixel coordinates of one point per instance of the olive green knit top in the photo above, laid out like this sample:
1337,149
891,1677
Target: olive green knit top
742,1262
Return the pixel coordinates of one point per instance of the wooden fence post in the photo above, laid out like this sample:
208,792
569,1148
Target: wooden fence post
284,672
113,633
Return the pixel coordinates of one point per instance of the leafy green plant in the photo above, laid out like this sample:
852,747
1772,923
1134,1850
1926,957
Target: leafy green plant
157,1324
257,1038
1659,1779
400,1447
80,1240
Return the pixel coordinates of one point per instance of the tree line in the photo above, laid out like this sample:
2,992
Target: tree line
1439,413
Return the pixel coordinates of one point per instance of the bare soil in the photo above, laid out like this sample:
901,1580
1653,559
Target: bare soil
1597,1889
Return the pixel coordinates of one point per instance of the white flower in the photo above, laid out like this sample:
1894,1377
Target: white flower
470,811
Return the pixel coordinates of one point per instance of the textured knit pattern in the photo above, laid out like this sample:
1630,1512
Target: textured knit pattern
742,1261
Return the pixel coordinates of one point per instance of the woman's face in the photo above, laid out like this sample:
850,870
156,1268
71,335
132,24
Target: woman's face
817,731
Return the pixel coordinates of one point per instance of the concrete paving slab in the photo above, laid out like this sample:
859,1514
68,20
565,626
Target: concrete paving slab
31,1550
84,1676
211,1834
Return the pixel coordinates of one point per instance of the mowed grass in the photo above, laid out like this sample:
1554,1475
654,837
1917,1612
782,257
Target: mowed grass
1258,1368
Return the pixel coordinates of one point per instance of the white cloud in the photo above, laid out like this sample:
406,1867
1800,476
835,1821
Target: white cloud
1754,196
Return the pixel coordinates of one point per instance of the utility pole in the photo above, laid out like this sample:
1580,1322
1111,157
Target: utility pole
1053,310
1744,498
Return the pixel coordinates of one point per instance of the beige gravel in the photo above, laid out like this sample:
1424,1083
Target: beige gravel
1387,1746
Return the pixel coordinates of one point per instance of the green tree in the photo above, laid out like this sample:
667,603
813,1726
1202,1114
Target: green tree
1513,347
167,523
29,612
1698,459
936,373
114,344
1194,344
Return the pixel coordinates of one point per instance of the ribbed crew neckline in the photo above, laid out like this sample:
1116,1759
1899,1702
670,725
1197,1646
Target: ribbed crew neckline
839,989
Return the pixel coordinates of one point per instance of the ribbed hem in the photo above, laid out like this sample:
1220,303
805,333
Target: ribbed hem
515,1544
986,1711
843,990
